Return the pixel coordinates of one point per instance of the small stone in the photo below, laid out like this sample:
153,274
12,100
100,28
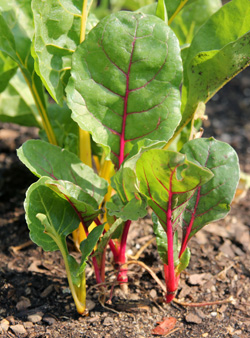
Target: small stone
35,318
213,314
90,305
193,318
28,325
4,324
108,321
49,320
23,304
155,310
205,334
19,330
47,291
153,293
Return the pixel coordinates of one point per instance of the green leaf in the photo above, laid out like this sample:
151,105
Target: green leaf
48,216
44,159
65,129
168,180
57,34
87,245
212,200
120,91
174,7
191,17
127,204
84,205
219,51
17,104
161,11
7,69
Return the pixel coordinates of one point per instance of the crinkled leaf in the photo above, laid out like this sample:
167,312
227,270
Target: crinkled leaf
44,159
192,16
212,200
127,204
168,180
87,245
84,205
119,90
57,34
65,129
17,104
218,52
48,216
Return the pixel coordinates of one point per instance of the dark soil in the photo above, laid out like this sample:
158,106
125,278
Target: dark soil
34,295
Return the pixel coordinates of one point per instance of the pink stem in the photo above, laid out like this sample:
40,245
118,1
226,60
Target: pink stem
122,276
171,280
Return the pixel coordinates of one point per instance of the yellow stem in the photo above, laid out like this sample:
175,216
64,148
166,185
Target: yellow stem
181,5
84,137
41,109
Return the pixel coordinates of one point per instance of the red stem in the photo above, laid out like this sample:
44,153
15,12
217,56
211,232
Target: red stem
122,276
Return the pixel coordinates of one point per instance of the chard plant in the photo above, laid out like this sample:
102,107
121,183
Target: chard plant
130,90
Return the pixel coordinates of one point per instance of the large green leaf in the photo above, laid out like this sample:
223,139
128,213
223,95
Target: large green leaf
44,159
119,90
17,104
48,215
168,180
212,200
191,17
57,34
218,52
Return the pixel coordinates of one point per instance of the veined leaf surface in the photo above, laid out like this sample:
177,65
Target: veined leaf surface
125,82
212,200
168,180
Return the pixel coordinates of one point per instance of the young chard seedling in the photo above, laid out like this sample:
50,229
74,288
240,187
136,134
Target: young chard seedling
122,84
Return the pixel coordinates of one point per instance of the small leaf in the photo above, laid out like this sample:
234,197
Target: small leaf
48,216
161,11
127,204
212,200
87,245
44,159
106,237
